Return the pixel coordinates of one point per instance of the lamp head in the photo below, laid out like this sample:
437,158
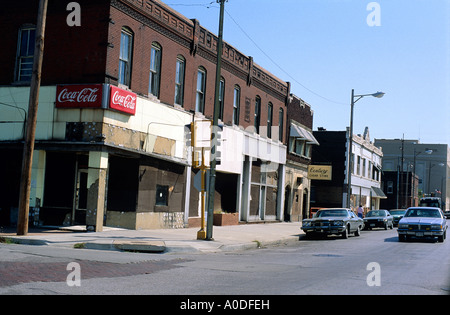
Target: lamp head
378,94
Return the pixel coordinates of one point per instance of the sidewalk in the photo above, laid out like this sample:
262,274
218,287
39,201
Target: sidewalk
225,238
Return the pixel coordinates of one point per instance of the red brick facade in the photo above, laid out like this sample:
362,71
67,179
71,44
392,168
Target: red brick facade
90,54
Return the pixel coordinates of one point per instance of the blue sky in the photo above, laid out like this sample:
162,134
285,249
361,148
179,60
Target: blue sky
325,48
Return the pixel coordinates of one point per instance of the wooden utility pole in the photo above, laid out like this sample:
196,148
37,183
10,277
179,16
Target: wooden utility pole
25,181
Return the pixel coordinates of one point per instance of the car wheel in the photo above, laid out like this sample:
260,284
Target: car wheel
442,238
358,231
345,233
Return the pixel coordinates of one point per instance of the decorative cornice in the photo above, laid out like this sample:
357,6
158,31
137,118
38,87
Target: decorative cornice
199,40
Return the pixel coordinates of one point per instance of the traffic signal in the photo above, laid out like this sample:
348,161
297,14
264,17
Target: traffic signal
216,152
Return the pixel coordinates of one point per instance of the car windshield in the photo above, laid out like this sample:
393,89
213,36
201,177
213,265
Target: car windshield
331,213
376,213
430,213
396,212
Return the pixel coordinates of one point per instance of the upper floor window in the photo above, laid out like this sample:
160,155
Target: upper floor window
201,90
126,48
269,120
236,104
155,69
280,124
257,113
25,53
179,80
300,147
221,97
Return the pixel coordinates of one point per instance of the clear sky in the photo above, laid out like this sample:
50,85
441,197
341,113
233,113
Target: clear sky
326,48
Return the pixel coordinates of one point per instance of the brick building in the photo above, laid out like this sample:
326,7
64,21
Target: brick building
116,94
300,143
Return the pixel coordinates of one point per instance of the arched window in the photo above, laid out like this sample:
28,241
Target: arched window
280,124
257,113
179,80
221,97
236,104
125,57
269,120
155,69
201,90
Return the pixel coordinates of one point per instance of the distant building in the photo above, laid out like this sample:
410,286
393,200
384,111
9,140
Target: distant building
331,191
401,190
300,144
430,162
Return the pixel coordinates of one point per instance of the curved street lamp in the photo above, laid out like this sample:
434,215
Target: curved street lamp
355,98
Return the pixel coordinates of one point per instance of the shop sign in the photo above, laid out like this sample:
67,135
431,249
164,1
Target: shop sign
319,172
122,100
79,96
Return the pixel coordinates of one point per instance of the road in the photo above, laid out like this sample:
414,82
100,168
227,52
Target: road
373,263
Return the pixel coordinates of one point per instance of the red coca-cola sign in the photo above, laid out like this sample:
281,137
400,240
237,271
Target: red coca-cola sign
122,100
79,96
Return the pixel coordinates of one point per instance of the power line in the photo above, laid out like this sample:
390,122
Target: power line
276,64
261,50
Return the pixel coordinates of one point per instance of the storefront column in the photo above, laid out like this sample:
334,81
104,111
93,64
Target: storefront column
280,192
246,180
96,183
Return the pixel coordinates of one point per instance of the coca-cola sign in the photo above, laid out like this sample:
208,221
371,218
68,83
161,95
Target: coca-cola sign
79,96
122,100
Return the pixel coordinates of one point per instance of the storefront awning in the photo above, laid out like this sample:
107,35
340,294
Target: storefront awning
303,134
377,193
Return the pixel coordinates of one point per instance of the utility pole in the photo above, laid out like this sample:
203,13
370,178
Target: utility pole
25,180
214,142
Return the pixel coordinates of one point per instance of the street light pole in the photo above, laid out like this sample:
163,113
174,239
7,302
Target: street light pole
214,142
350,152
350,141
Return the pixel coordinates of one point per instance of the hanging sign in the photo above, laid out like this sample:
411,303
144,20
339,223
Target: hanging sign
319,172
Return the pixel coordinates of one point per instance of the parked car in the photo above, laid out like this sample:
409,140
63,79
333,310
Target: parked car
338,221
422,222
397,214
447,214
378,218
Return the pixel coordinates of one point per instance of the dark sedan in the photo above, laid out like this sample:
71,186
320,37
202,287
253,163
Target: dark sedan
422,222
378,218
338,221
397,214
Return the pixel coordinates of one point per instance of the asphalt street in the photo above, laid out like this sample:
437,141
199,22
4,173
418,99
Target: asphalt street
373,263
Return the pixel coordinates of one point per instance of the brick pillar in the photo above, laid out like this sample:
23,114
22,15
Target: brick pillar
98,164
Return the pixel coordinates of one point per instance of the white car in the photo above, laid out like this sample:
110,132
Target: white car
422,222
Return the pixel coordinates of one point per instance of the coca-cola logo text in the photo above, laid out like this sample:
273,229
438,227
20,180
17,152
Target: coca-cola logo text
86,95
78,96
123,100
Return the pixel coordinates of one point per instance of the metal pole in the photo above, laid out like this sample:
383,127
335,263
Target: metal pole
350,152
25,181
201,234
214,142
